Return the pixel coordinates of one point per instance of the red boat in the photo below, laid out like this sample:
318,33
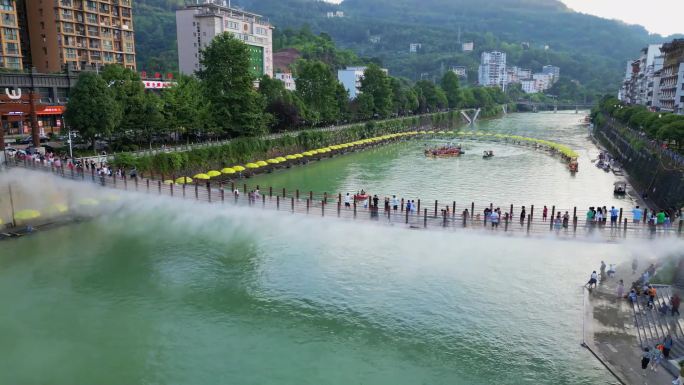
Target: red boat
444,151
361,197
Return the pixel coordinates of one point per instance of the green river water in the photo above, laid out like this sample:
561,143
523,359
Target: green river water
162,291
515,175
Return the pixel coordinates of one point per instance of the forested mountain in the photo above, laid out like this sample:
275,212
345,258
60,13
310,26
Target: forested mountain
588,49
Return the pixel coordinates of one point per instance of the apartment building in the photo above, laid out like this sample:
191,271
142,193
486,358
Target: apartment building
287,79
460,71
351,77
671,92
553,71
492,71
80,34
197,24
10,36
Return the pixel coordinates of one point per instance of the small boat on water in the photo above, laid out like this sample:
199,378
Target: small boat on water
444,151
620,188
487,154
360,197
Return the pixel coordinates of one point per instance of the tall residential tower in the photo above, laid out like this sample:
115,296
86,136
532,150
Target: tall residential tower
10,57
80,34
492,71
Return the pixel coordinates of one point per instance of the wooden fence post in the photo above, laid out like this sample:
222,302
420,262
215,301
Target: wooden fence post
425,218
148,185
297,194
196,191
171,189
292,203
307,205
284,195
553,216
402,205
436,207
183,185
472,210
223,194
620,219
339,208
278,203
159,183
418,206
453,210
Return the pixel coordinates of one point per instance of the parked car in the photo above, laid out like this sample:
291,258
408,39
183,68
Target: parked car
29,140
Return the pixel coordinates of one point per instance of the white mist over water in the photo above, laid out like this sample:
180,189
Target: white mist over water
169,291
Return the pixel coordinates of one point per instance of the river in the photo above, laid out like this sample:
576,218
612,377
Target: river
515,175
162,291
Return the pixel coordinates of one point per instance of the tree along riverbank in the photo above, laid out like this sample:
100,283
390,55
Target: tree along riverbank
247,149
651,172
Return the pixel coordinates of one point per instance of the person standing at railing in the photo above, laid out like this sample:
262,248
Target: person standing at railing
522,216
395,203
494,218
613,216
347,200
545,213
636,215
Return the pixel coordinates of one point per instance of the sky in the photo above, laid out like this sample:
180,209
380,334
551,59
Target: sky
658,16
651,14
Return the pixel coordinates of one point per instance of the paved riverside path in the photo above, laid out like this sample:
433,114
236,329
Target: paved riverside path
610,332
193,146
429,216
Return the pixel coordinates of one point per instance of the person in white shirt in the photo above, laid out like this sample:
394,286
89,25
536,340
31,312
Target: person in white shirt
593,280
347,200
494,218
395,203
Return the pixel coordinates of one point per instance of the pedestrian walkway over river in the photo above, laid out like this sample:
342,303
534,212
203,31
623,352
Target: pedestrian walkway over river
433,215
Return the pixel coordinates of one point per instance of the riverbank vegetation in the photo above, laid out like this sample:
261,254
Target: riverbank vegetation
662,126
221,101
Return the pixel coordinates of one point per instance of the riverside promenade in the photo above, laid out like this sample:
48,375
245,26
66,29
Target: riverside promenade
428,214
612,331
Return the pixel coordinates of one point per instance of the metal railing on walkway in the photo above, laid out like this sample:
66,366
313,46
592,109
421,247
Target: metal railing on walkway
425,215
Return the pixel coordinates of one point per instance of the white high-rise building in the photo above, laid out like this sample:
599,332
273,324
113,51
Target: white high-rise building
351,77
286,77
197,24
552,70
492,71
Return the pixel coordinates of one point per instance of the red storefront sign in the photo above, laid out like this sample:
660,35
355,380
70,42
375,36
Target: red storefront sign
155,84
51,110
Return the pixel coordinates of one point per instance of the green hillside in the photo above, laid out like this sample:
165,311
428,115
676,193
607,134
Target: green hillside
588,49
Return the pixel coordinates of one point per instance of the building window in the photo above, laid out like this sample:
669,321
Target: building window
108,57
10,34
9,20
130,58
91,18
68,27
71,53
11,48
13,62
261,31
107,45
129,47
6,5
232,25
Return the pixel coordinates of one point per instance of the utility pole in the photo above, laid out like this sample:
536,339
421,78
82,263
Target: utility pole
14,221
